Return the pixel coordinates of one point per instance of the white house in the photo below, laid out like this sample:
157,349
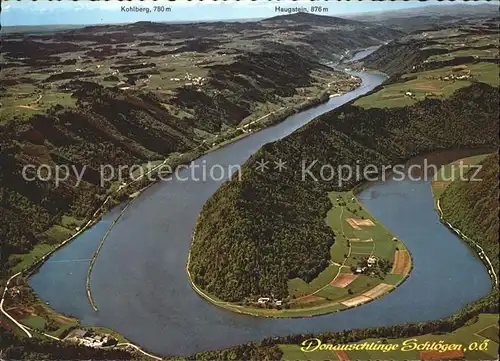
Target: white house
371,261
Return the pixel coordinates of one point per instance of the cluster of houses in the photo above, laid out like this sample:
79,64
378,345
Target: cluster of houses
463,76
370,262
337,88
91,339
268,300
190,81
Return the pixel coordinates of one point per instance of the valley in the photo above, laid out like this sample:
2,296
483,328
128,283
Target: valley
179,96
277,244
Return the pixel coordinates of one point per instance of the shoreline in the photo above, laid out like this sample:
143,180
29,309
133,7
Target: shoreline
31,269
273,313
96,254
479,252
110,197
473,246
322,98
315,310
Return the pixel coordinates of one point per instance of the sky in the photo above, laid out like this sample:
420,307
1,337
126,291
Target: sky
43,12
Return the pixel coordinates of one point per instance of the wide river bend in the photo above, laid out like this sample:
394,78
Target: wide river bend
140,283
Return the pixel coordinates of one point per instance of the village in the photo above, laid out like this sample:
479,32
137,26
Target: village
190,80
91,338
459,72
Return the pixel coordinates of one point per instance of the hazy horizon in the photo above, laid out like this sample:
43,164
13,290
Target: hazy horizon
44,13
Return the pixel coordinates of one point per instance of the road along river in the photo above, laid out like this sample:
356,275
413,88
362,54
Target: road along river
140,283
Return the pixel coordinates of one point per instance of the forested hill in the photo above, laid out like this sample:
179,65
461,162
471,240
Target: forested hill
255,234
409,53
473,207
124,95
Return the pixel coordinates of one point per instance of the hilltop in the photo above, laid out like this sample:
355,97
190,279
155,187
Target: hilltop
312,19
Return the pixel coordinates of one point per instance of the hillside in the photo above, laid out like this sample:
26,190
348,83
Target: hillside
255,234
123,95
428,17
473,207
324,35
466,42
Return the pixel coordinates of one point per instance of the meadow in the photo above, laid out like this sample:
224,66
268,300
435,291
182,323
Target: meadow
337,288
437,83
353,245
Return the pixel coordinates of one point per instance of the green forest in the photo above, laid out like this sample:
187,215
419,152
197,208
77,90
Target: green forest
472,207
110,127
255,234
85,137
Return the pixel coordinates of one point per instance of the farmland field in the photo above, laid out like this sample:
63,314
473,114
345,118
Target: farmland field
358,236
429,84
348,280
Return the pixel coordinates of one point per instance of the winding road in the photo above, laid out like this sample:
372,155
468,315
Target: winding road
21,326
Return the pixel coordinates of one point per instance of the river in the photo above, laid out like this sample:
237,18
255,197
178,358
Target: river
141,287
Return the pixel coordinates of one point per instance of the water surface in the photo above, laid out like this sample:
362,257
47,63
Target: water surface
141,287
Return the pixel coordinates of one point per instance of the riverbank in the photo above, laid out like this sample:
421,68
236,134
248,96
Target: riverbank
118,192
163,220
367,262
477,340
446,176
278,208
261,123
135,187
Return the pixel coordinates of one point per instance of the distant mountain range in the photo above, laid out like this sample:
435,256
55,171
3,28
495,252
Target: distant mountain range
312,19
457,10
404,19
409,20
